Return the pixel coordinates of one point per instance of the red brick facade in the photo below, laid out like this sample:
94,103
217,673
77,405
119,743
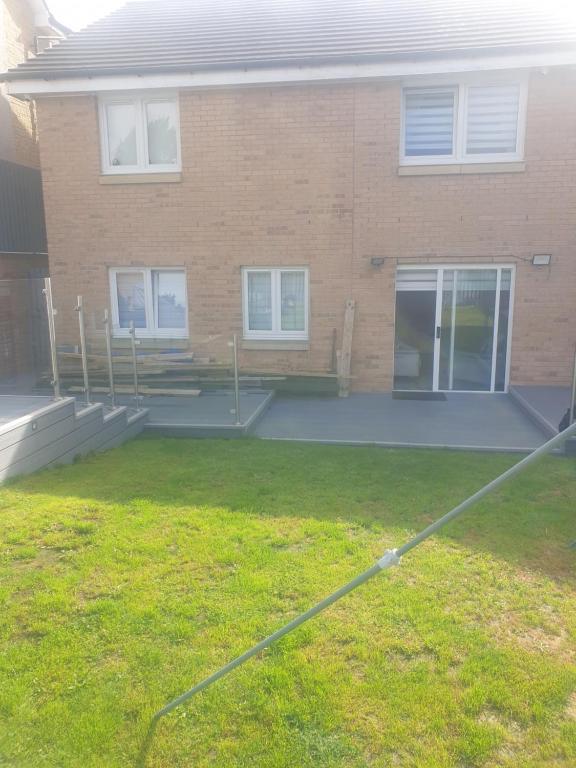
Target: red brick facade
308,175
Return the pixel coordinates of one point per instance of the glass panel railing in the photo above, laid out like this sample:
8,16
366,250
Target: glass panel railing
24,338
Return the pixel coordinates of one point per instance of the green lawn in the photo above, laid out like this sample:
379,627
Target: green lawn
126,578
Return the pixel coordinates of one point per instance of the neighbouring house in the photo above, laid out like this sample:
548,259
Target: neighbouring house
26,27
213,168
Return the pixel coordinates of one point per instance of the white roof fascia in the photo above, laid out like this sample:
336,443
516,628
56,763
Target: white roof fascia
289,75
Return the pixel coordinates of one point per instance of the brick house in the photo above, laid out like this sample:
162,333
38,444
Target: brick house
26,26
248,168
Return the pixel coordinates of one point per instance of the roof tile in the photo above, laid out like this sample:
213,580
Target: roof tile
153,36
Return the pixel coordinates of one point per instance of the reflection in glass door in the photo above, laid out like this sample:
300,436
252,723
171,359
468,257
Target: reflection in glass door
415,329
452,328
467,329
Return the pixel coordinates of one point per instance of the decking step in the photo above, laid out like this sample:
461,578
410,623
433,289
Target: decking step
61,431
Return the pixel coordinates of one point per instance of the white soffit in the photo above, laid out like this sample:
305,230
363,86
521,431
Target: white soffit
289,75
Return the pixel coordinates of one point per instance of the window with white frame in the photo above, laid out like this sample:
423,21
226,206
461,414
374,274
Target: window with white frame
275,303
153,299
463,122
139,134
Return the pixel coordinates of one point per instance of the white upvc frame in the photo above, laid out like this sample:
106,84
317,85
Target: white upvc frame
150,305
140,102
276,334
429,159
440,269
461,85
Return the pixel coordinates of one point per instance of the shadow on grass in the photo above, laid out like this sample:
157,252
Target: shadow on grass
528,522
147,744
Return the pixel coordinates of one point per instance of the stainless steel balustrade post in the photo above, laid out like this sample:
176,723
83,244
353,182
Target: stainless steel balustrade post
573,393
134,364
51,312
236,381
83,351
108,331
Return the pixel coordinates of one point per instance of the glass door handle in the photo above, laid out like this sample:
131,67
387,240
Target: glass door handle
438,331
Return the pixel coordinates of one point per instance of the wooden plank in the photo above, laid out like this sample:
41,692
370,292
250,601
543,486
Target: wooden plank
174,392
164,357
298,374
149,366
334,352
120,390
346,351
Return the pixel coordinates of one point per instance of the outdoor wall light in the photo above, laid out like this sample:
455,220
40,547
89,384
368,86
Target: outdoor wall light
377,261
541,259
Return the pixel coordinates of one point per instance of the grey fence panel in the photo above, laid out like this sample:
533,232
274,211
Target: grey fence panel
22,224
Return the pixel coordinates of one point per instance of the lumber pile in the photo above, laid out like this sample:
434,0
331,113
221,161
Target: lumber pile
159,373
187,373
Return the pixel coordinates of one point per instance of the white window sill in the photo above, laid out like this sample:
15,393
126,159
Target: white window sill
276,344
460,169
141,333
141,178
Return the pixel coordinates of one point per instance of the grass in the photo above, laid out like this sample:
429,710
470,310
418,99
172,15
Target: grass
126,578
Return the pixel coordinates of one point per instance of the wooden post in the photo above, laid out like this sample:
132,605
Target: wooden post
334,352
345,357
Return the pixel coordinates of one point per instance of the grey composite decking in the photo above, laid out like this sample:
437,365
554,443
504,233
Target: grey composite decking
35,434
209,414
491,422
546,405
15,406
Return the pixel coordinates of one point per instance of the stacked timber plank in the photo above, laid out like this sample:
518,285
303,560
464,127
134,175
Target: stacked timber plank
186,373
159,373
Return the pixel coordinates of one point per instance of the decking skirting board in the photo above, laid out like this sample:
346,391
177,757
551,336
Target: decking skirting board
57,434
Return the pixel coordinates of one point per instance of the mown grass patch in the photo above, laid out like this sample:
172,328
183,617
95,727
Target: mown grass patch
131,575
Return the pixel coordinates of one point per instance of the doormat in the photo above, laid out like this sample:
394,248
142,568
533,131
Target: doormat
405,395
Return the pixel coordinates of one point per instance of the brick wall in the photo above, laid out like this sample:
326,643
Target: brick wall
24,349
18,139
17,266
308,175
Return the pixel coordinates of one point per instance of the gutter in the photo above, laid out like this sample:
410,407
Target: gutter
120,80
23,72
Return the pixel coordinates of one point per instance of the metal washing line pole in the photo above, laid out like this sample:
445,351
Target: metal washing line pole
390,557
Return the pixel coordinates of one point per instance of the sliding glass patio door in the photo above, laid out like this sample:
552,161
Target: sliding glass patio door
452,328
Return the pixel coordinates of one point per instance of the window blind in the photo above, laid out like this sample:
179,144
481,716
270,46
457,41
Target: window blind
429,122
492,119
416,279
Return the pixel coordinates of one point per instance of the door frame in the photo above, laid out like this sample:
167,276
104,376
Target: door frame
440,269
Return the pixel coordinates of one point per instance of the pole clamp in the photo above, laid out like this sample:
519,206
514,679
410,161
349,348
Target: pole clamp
390,557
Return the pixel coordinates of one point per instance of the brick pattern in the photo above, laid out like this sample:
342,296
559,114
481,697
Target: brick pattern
18,137
23,328
308,175
19,266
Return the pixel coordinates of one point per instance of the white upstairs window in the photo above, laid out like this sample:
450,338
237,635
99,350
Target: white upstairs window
275,303
464,122
492,120
429,122
153,299
139,134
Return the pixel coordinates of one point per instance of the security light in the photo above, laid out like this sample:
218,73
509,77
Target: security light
541,259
